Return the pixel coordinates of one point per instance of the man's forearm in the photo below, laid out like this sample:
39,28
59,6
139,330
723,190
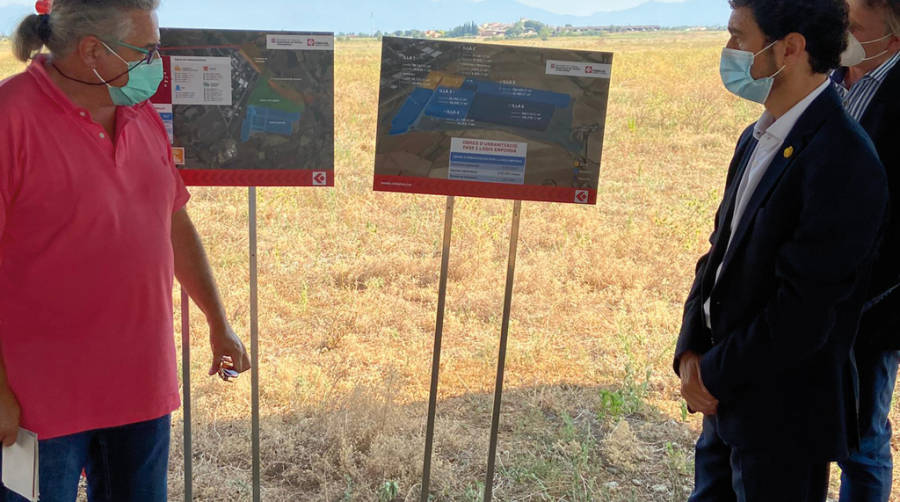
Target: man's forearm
10,412
193,271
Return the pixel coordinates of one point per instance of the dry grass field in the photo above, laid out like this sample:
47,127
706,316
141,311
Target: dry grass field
348,291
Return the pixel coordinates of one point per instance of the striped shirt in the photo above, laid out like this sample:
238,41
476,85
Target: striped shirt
859,96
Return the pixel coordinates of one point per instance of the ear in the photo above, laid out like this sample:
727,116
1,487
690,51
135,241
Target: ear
91,50
795,50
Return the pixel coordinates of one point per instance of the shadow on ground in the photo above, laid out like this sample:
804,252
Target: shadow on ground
556,443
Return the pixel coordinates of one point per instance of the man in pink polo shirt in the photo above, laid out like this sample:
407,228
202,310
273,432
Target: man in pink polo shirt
92,228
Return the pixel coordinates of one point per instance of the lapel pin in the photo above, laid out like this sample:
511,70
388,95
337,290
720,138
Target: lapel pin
788,152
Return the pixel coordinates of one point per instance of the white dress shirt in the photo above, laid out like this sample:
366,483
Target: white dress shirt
770,135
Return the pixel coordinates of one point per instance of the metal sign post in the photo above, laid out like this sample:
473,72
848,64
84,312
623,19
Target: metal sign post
504,337
436,362
254,347
254,371
186,382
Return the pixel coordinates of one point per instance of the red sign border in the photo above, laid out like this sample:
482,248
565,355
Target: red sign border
433,186
255,177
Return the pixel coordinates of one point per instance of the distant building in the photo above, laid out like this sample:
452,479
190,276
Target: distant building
493,29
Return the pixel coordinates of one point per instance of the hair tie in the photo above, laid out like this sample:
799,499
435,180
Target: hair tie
43,6
43,28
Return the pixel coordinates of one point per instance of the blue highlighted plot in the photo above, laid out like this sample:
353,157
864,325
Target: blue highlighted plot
268,120
512,112
525,94
482,101
411,110
450,103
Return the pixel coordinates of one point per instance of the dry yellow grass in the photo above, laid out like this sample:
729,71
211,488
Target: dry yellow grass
348,285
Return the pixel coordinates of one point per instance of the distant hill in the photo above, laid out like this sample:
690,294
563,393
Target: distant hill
689,13
368,16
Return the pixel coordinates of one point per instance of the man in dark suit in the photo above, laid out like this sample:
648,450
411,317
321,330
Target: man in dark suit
870,90
765,345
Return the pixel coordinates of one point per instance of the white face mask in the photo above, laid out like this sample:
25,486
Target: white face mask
856,53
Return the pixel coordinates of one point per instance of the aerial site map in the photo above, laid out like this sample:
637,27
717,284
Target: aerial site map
489,120
249,108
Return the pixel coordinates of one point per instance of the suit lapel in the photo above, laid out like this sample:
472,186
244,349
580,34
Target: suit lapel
766,184
726,211
730,196
804,130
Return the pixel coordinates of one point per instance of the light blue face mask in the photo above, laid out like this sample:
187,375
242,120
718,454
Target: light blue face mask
144,77
735,70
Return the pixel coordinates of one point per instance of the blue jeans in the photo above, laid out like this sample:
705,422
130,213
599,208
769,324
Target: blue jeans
726,474
867,474
127,463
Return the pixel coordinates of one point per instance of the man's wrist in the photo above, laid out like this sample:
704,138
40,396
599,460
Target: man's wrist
217,323
685,359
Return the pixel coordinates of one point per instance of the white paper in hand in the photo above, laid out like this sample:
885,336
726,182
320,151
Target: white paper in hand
20,466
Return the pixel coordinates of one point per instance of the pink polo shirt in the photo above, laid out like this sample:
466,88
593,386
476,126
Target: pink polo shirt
86,262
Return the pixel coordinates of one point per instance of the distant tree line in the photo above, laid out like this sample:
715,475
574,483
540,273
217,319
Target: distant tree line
524,28
466,30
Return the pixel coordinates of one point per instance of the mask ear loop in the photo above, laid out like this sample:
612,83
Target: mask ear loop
778,72
882,53
889,35
102,80
117,77
764,49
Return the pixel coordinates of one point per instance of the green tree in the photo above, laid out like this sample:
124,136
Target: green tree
466,30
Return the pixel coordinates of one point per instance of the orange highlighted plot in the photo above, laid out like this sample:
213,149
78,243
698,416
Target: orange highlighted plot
178,156
443,79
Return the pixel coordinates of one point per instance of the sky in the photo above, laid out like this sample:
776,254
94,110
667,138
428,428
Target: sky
573,7
388,15
583,7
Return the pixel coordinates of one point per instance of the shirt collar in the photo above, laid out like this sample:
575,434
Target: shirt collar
38,71
882,71
779,129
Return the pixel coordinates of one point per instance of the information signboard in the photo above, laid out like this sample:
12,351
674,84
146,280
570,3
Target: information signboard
249,108
489,120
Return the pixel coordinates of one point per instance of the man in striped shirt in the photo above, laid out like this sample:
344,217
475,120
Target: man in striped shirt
871,94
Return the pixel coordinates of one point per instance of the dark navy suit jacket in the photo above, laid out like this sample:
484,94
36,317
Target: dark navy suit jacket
880,328
787,305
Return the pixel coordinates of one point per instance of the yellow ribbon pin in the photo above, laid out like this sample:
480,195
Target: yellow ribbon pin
788,152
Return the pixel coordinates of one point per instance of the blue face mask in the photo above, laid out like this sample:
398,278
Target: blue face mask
144,77
735,70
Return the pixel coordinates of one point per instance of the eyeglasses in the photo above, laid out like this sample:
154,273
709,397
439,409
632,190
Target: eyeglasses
149,54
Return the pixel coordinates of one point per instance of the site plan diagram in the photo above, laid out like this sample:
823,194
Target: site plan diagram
249,107
491,120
